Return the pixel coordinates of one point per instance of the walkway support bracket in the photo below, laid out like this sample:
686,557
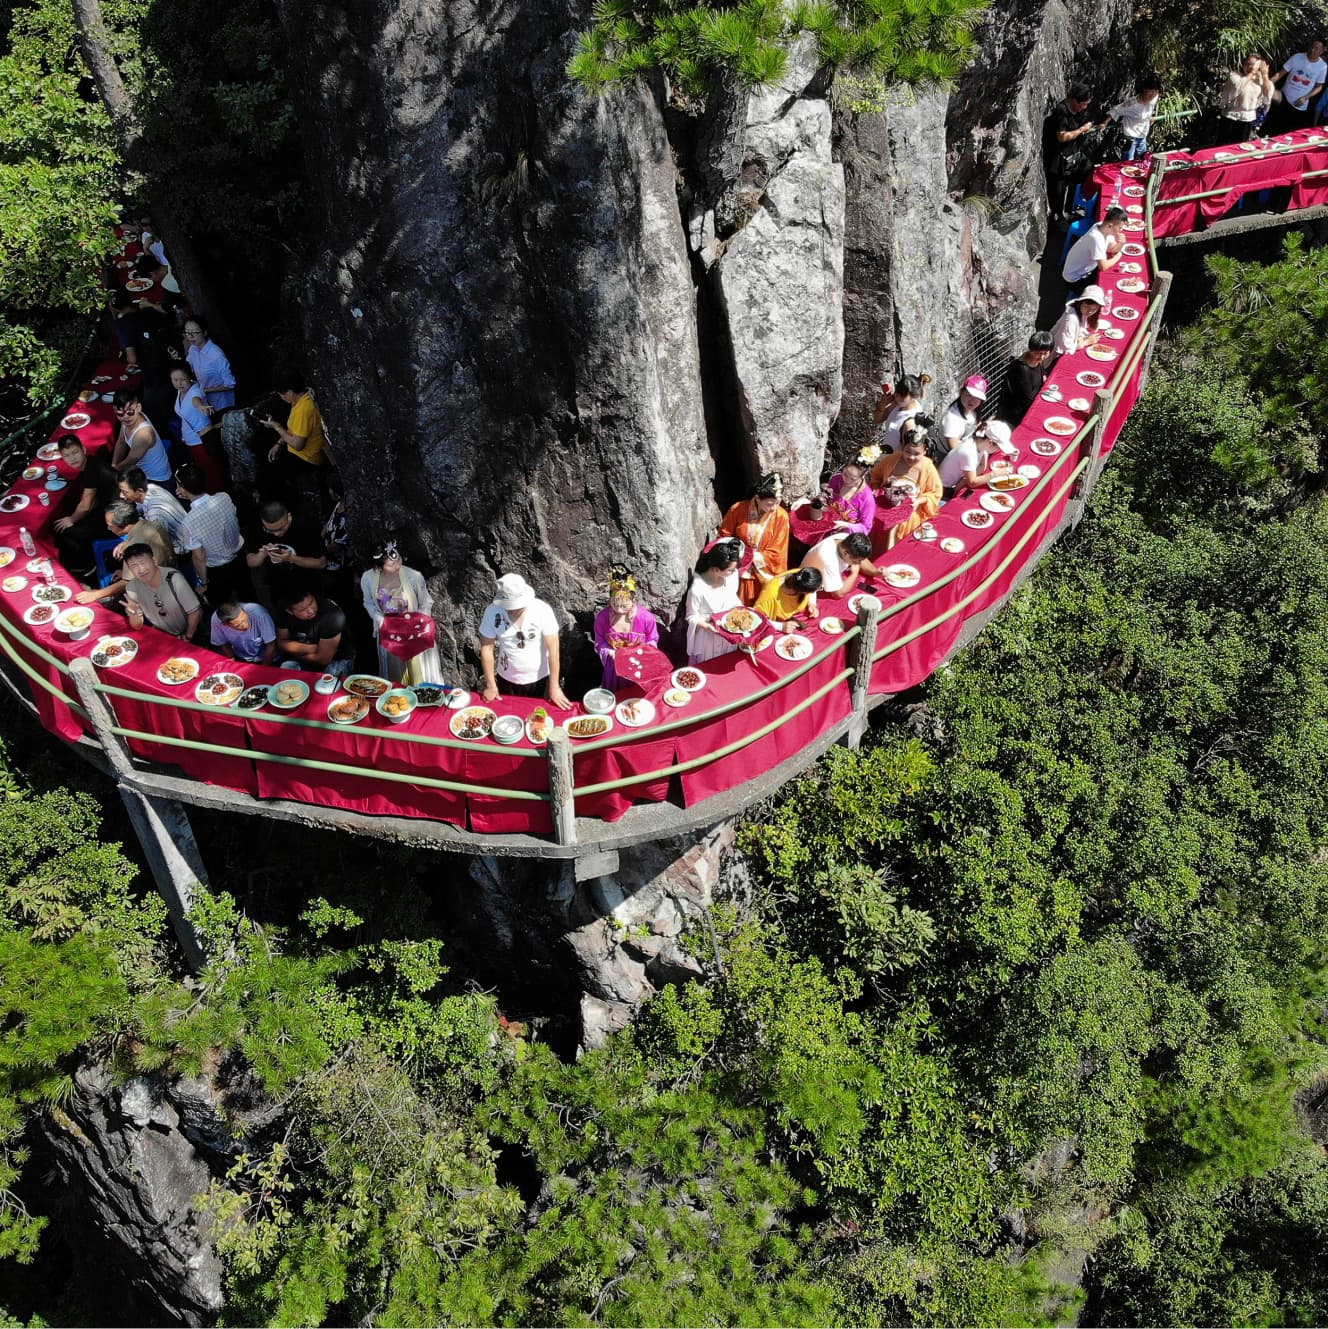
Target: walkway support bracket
161,824
860,656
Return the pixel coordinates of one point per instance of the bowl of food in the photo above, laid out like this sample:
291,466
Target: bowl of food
508,729
397,705
288,694
326,685
599,701
369,686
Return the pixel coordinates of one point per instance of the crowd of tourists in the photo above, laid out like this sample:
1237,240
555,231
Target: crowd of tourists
227,526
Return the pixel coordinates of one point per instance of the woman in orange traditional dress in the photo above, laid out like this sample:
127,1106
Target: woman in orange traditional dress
763,526
910,464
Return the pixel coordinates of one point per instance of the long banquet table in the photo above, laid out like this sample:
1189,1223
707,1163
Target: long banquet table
287,755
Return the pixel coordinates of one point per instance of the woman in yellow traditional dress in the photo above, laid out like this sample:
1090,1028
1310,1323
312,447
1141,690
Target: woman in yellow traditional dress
763,526
789,596
912,465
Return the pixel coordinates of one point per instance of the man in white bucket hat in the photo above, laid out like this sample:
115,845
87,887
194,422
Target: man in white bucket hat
519,644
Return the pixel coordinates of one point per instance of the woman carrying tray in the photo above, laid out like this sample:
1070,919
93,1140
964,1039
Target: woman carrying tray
714,590
622,623
390,588
763,526
910,464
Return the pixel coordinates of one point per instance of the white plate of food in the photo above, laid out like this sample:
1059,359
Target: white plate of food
178,669
288,694
76,420
39,615
1005,483
14,583
834,626
996,502
1126,312
137,284
219,689
740,622
77,618
1133,249
473,723
902,576
1090,378
677,698
689,678
1128,267
1103,354
39,566
794,647
1134,191
539,725
1134,226
349,710
1132,285
1045,447
14,502
1226,156
48,452
588,726
7,555
51,595
976,519
952,544
113,652
1080,404
1029,471
366,685
33,473
855,601
1114,334
254,698
1060,425
926,533
635,712
1053,395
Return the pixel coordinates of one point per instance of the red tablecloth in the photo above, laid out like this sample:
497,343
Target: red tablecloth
1234,170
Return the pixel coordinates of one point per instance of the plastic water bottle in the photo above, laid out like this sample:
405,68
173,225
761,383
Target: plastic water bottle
26,540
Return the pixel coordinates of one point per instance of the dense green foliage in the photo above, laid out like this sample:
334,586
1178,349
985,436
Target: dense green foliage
58,175
748,41
1047,982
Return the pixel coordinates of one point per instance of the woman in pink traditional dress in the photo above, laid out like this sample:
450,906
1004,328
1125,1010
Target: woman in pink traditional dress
850,491
622,623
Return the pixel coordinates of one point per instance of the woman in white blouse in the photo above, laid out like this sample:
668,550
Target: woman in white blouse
389,587
714,590
1077,327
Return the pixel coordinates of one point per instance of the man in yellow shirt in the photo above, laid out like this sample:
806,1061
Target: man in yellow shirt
302,434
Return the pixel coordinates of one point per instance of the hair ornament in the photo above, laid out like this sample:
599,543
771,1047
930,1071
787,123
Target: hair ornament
869,455
621,581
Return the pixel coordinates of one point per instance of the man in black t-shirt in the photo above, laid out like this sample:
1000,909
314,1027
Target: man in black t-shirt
152,342
93,487
311,634
1063,156
1027,376
286,550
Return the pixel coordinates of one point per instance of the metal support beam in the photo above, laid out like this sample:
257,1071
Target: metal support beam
161,824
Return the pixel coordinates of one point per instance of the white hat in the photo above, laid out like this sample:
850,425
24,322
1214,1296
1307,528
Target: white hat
999,433
1094,293
513,592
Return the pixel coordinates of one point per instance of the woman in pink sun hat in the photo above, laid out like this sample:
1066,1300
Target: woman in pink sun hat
961,416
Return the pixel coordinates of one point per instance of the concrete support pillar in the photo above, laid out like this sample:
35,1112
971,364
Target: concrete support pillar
860,653
162,824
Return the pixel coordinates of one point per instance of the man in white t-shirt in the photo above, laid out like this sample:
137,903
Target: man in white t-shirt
962,467
1097,250
1303,77
840,559
519,645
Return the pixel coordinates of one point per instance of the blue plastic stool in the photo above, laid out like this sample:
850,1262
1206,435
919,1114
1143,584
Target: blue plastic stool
1076,229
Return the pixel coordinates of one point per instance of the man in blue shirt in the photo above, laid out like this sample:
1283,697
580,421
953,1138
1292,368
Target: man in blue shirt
245,632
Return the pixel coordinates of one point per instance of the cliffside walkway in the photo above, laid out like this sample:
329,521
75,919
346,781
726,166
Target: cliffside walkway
758,724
